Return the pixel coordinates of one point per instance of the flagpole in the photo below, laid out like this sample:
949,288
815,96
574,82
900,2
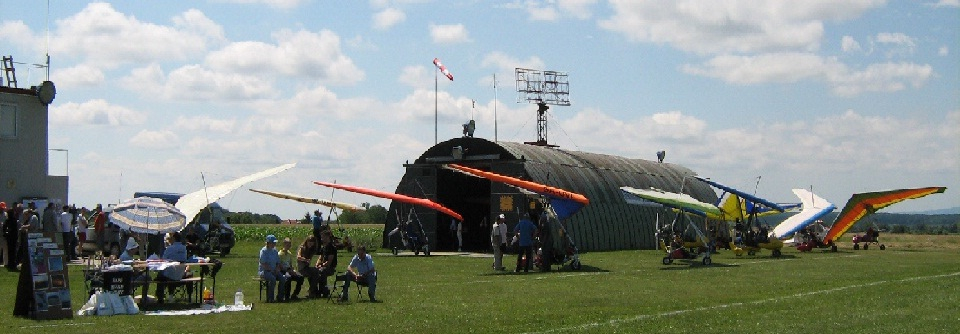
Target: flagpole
495,107
435,93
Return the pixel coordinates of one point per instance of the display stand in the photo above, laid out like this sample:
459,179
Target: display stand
48,276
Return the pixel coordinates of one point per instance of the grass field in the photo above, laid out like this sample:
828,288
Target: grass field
912,286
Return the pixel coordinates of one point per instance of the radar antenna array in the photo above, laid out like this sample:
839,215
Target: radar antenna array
542,88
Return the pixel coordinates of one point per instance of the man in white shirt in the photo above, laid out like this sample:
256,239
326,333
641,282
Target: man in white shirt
498,240
66,229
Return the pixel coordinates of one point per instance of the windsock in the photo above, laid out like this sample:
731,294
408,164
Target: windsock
443,69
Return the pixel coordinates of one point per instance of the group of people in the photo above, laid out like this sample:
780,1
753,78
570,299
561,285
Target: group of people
68,224
524,233
277,268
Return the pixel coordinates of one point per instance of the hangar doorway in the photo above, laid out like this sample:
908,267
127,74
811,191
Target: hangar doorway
470,197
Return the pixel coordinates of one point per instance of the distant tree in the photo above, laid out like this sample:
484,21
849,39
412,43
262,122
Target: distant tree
953,228
920,229
376,214
351,217
898,229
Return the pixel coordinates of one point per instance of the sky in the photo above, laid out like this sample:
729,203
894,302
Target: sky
837,96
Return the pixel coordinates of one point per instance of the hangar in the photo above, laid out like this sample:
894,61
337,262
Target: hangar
607,223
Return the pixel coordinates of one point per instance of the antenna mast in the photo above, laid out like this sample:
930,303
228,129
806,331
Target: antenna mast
542,88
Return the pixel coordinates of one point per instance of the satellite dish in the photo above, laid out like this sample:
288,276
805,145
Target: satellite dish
46,92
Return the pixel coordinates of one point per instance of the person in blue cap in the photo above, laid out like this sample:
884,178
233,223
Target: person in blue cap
270,270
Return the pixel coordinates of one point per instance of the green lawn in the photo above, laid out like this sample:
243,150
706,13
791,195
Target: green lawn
897,290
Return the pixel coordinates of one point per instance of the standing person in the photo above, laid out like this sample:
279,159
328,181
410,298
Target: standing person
546,241
362,271
498,240
305,254
66,229
525,230
270,268
81,228
327,263
11,230
290,274
4,252
100,226
50,221
459,235
317,222
24,302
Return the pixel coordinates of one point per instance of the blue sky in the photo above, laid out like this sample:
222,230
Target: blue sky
840,96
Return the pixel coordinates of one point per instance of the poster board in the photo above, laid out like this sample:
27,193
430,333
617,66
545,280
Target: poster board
48,272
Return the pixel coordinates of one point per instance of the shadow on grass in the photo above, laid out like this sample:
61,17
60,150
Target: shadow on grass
695,264
535,272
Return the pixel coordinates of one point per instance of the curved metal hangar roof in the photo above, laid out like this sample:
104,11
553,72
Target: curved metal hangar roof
607,223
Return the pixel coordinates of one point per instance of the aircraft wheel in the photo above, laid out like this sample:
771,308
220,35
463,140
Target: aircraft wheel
776,253
667,260
882,247
866,246
856,246
395,251
707,261
833,248
575,265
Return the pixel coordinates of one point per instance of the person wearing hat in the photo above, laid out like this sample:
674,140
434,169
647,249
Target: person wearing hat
130,250
498,240
270,270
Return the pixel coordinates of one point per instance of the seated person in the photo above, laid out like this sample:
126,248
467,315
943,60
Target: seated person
130,250
305,254
362,271
290,274
327,263
177,252
270,269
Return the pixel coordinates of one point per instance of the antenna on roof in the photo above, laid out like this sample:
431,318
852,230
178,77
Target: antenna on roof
542,88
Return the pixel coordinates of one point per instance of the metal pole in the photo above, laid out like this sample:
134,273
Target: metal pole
435,93
495,100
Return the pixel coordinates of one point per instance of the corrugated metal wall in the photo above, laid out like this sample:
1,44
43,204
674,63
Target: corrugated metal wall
608,223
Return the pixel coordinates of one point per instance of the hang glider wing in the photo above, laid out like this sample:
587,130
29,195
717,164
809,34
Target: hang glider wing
814,207
191,204
682,202
308,200
750,200
397,197
565,203
862,204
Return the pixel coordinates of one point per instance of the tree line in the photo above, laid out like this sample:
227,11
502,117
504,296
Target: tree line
373,214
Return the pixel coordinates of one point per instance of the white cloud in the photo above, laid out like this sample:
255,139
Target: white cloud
900,44
16,32
296,54
157,140
884,77
448,34
94,112
196,83
717,27
81,75
504,61
542,13
794,67
416,77
104,36
281,4
387,18
579,9
943,51
773,67
205,124
947,4
848,44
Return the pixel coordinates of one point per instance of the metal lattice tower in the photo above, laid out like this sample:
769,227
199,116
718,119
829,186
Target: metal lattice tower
542,88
